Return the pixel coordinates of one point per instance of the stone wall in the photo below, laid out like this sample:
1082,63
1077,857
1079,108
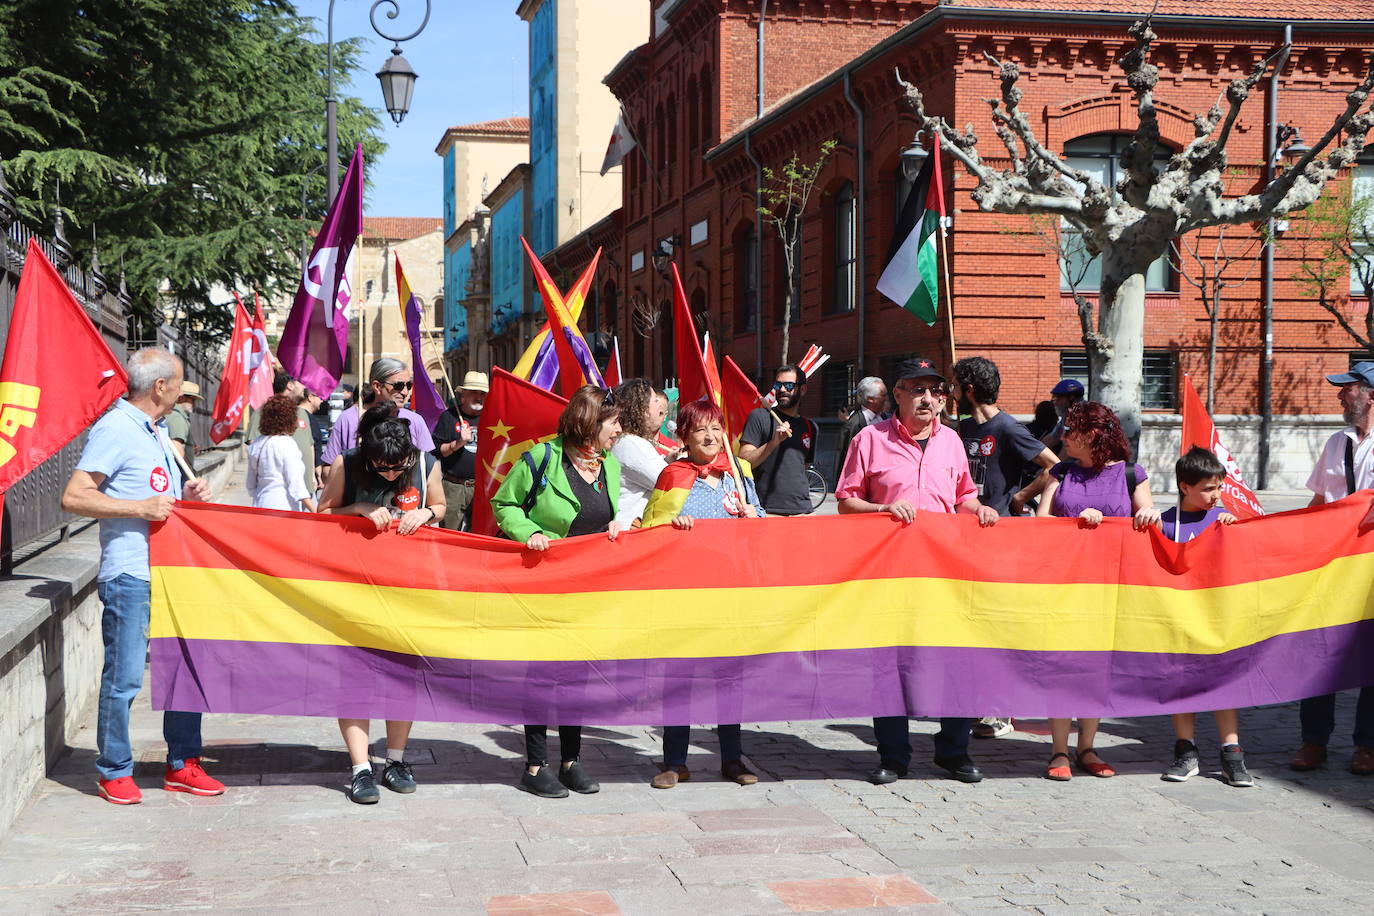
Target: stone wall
51,653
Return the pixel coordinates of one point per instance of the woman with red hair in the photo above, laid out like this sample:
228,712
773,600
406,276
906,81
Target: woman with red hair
705,484
1098,481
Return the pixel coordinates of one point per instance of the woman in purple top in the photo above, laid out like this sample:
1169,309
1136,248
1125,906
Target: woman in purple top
1097,482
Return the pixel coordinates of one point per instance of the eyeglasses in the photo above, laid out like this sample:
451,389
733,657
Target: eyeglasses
916,391
785,386
609,399
399,386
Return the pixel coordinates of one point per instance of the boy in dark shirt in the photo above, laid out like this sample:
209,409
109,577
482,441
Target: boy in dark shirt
1200,476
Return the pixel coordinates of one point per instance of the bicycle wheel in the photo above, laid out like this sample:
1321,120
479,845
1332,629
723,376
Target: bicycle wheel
816,486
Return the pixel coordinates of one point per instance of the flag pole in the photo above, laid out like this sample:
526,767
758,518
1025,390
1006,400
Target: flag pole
443,365
951,403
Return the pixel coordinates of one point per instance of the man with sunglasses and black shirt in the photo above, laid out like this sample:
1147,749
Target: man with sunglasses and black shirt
912,463
780,446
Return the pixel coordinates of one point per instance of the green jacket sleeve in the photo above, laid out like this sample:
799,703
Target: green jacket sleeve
505,505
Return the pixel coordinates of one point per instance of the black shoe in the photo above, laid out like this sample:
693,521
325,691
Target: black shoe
397,777
886,772
363,788
1233,767
576,778
960,768
1185,762
543,783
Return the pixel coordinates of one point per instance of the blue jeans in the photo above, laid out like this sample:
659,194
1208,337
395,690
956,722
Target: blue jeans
894,739
124,625
1318,717
675,740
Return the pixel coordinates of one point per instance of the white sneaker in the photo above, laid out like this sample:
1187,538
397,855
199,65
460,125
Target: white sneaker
993,727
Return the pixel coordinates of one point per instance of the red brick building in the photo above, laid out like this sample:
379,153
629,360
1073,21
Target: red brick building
690,94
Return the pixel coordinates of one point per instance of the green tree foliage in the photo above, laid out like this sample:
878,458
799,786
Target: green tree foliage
1334,243
785,194
186,135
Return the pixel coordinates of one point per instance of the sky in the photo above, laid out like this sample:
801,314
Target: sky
472,61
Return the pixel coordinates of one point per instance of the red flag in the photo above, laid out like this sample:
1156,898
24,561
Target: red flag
693,381
1198,429
517,416
58,374
232,397
262,367
739,396
612,373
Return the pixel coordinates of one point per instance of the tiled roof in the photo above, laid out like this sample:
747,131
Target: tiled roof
502,127
1296,10
399,227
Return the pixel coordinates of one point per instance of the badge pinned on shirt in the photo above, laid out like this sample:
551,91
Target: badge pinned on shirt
987,446
408,499
159,480
730,500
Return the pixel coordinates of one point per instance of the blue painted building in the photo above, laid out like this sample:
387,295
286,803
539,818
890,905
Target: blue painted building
543,48
457,269
512,295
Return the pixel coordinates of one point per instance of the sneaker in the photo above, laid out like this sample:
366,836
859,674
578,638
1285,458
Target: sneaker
993,727
191,778
398,777
1233,767
121,791
542,783
363,789
576,778
1185,762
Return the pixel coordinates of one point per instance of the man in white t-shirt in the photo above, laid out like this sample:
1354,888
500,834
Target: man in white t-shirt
1346,465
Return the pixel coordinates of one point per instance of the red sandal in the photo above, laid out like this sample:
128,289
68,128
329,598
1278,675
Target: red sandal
1059,773
1101,769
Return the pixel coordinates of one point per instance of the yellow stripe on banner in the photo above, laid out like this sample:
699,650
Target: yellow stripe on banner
222,604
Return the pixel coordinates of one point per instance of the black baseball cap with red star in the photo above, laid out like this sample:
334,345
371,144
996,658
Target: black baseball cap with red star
918,367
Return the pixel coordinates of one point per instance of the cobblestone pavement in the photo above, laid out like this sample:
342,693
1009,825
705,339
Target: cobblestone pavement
811,836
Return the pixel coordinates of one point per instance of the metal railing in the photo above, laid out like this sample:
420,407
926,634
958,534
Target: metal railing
32,507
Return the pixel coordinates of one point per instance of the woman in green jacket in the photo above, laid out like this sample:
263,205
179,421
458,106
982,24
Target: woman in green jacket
564,488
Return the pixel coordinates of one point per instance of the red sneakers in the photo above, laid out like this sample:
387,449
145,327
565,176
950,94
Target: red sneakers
121,791
191,778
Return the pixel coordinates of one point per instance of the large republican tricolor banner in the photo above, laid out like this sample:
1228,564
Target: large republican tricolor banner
834,617
1198,429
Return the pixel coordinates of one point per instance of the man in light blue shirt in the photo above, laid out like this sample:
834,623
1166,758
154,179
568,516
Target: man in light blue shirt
127,477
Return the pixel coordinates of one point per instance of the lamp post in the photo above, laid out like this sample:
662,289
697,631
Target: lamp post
913,158
396,76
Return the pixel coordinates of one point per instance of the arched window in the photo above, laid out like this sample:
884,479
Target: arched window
708,133
439,312
1099,155
693,118
843,250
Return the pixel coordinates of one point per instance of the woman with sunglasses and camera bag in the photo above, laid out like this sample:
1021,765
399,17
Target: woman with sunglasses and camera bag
385,478
563,488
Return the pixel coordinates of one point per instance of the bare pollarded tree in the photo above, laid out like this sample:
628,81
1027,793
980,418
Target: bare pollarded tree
1131,224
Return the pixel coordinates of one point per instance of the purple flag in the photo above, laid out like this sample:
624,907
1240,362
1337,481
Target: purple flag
314,344
425,401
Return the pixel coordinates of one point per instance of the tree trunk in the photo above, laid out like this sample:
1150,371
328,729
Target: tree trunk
1212,352
786,320
1116,374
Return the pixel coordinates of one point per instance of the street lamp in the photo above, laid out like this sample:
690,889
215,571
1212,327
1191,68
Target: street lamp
663,254
398,82
913,158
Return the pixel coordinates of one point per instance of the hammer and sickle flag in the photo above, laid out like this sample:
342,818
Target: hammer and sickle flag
58,375
518,415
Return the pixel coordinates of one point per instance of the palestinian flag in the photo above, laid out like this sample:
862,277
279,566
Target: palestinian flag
911,278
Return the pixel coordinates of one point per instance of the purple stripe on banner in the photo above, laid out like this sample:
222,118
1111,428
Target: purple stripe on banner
348,682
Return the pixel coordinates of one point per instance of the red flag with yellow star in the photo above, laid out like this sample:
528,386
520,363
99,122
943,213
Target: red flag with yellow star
517,416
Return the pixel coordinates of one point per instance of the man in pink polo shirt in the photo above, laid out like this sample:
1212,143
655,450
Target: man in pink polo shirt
908,463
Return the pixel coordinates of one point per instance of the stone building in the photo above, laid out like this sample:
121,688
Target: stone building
377,329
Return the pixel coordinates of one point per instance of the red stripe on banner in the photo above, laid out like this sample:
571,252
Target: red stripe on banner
777,552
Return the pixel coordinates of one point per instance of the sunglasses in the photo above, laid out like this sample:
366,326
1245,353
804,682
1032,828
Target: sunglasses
388,468
785,386
609,399
399,386
917,391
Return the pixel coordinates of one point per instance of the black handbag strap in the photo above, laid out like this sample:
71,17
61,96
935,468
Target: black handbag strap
1349,466
541,478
